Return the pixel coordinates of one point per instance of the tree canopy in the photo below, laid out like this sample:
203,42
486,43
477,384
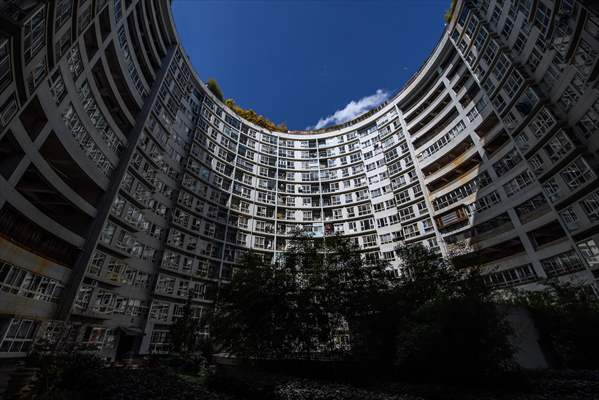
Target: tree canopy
248,114
215,89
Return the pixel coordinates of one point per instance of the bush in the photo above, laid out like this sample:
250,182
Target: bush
312,390
191,364
215,89
73,370
456,338
567,317
84,376
450,326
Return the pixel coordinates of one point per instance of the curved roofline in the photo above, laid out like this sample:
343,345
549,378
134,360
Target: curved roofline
407,89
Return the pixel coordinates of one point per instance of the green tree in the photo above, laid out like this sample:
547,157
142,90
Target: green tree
567,316
449,325
255,316
184,331
301,302
215,89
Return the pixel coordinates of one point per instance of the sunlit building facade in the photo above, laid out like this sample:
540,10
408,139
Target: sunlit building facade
127,187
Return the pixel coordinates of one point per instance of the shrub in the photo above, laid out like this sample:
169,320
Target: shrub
454,338
215,89
312,390
73,370
567,317
450,326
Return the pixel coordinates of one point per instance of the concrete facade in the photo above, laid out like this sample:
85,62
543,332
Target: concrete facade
125,184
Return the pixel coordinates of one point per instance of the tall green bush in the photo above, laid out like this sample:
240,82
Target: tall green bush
567,317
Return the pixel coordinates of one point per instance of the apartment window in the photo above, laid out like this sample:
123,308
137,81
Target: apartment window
38,73
369,240
507,28
563,263
34,34
463,191
535,56
542,18
501,67
406,213
590,252
57,86
366,224
568,98
542,123
118,10
403,196
485,202
513,83
511,277
62,44
519,43
507,162
495,17
21,282
64,8
410,231
570,218
558,146
5,68
577,174
427,225
18,335
590,205
159,311
490,52
85,18
481,38
518,183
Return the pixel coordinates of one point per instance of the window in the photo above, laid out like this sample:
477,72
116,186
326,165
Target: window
590,205
518,183
542,18
406,213
561,264
410,231
485,202
38,73
18,335
21,282
507,162
5,68
532,208
542,123
590,252
118,10
513,83
463,191
34,34
577,174
369,240
63,12
570,218
511,277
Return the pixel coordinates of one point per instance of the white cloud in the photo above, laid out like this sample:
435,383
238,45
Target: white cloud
353,109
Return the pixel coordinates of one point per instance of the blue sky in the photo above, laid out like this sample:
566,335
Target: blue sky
309,63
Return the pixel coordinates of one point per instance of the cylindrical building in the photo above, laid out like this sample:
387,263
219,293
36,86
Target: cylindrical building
125,184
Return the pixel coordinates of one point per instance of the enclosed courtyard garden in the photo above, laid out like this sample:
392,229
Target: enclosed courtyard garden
324,322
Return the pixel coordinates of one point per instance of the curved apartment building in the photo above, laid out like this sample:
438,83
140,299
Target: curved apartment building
125,185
